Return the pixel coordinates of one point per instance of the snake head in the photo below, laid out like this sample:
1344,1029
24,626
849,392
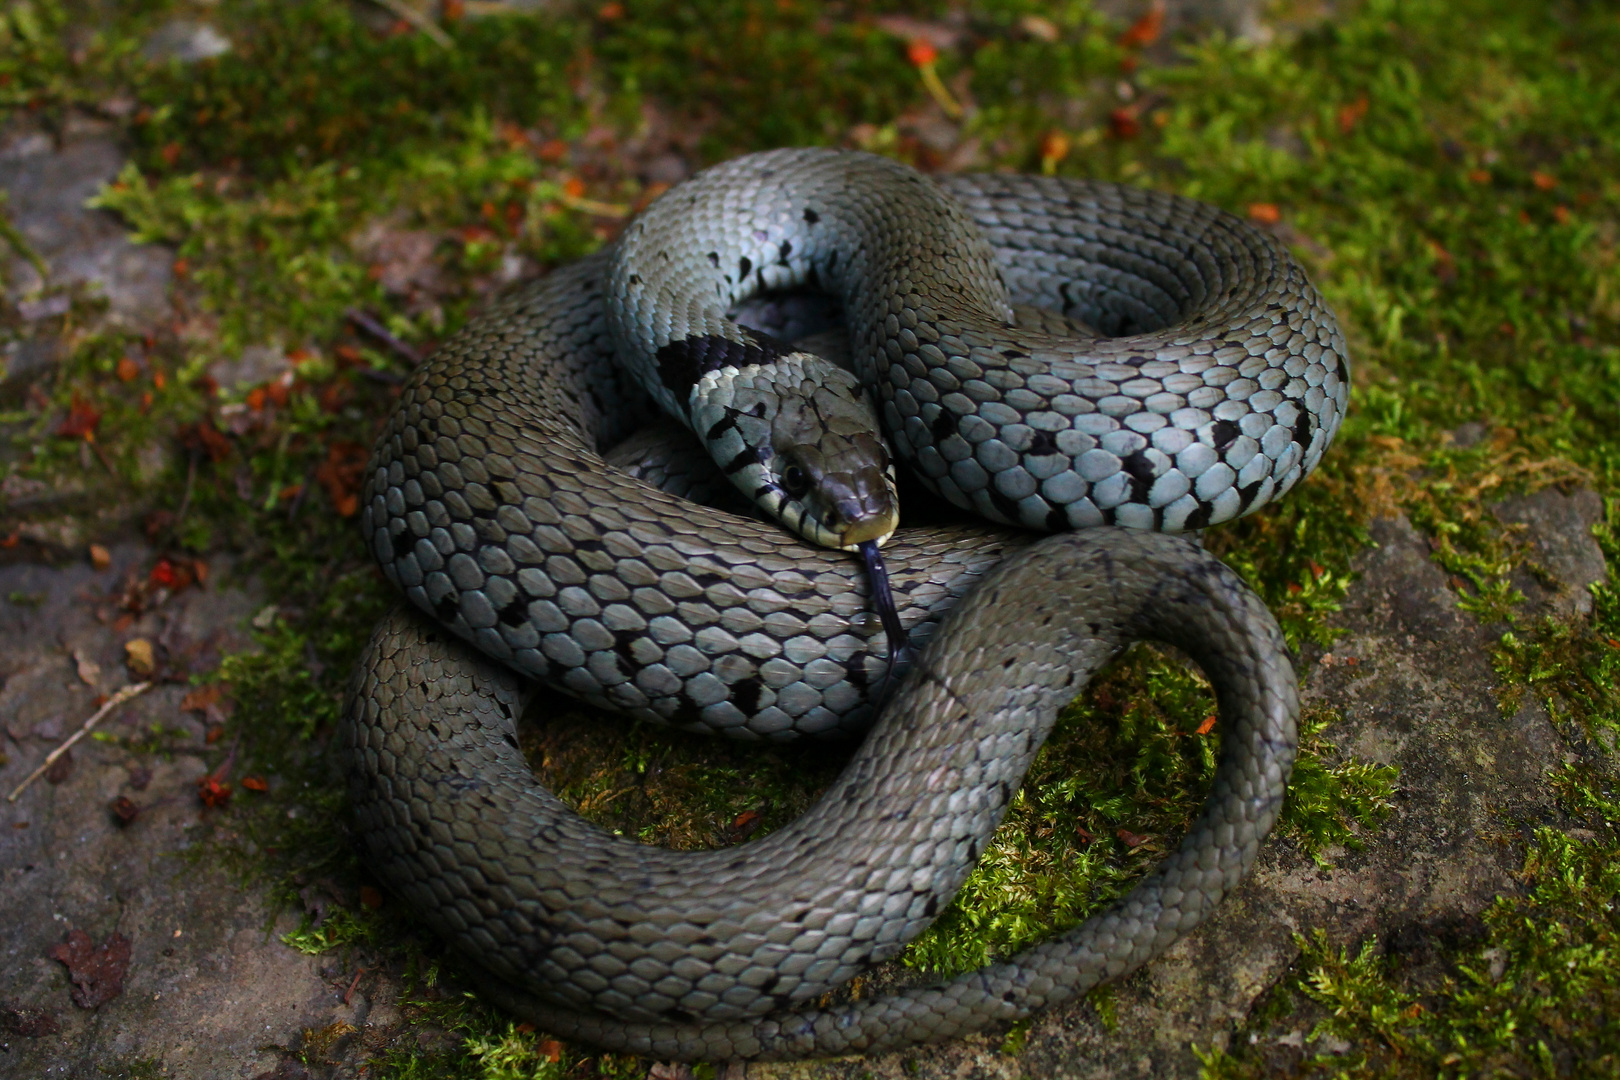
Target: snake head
800,438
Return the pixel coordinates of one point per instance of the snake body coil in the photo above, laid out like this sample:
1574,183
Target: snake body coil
489,506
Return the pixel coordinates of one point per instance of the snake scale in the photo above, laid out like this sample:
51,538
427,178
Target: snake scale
1201,376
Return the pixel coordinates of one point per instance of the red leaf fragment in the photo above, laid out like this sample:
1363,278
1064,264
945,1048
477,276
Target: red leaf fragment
921,53
259,783
1123,124
1264,213
341,473
1350,115
1208,725
97,971
213,792
204,438
81,421
1146,30
1132,840
744,824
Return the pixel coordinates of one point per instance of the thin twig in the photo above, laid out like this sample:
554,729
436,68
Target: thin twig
419,20
380,332
95,718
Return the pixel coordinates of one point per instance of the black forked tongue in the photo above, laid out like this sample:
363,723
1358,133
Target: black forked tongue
883,600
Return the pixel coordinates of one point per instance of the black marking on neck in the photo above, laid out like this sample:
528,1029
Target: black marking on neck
448,607
682,363
1302,430
744,265
714,259
404,542
1199,518
1057,519
944,425
810,216
783,252
748,455
728,422
1247,494
1224,433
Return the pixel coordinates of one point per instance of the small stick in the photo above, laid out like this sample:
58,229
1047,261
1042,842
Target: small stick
95,718
380,332
418,20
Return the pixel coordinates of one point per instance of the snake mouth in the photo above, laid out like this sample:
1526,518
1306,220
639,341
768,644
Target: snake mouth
873,531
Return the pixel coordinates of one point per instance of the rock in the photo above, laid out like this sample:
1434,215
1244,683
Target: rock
186,42
1560,529
26,362
46,190
256,365
1237,18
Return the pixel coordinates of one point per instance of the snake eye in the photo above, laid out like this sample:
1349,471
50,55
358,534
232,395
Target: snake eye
794,482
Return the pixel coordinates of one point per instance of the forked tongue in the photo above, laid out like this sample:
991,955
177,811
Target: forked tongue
883,600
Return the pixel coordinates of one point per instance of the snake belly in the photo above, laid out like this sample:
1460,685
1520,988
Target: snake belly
490,507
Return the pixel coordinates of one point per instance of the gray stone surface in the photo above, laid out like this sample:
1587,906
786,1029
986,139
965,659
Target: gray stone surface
209,985
185,41
1565,558
47,183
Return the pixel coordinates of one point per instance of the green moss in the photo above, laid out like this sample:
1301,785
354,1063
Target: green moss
1536,996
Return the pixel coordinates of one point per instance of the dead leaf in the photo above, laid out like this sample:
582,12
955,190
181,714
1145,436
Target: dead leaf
213,792
100,557
60,769
1208,725
340,475
1146,30
744,825
401,259
125,809
88,670
97,971
1131,840
670,1070
1040,28
139,657
1264,213
81,420
199,698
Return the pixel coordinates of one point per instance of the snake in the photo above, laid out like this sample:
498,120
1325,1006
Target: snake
1184,372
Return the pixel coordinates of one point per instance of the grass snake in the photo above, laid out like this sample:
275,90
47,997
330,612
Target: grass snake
1199,375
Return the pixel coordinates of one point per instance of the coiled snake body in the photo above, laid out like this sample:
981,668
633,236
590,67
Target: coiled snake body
1221,381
